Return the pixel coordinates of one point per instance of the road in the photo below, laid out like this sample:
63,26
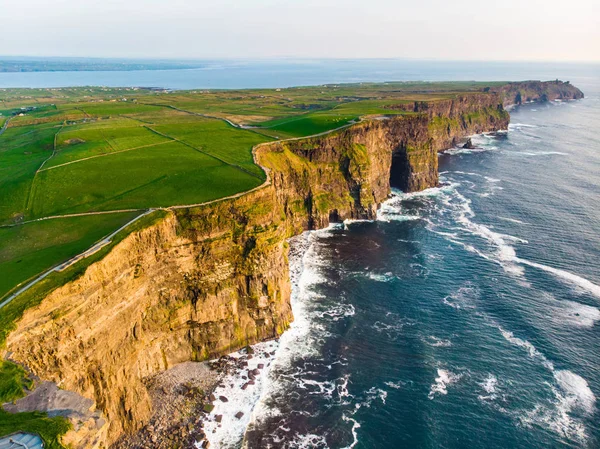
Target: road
97,246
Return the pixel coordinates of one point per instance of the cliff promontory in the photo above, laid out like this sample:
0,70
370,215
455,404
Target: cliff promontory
208,280
536,91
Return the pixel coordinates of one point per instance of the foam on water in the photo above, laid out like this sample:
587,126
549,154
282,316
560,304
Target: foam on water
572,279
517,126
512,220
355,427
437,342
489,385
527,346
572,398
385,277
462,298
229,432
395,385
539,153
303,340
444,379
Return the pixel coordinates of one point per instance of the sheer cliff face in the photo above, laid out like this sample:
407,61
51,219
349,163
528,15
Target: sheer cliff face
211,279
536,91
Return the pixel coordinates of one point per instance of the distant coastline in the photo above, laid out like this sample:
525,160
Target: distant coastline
249,74
26,64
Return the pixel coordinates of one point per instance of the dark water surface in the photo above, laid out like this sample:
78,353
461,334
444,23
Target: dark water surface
229,74
466,316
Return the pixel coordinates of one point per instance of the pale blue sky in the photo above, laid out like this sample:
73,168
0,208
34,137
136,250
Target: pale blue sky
440,29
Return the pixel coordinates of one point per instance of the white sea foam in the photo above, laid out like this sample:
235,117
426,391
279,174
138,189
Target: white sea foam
527,346
373,394
339,312
489,385
385,277
462,298
308,441
539,153
520,125
349,222
573,397
229,432
505,254
569,278
444,379
302,339
395,385
512,220
576,314
355,427
576,391
437,342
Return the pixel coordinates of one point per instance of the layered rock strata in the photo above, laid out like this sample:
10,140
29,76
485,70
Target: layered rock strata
208,280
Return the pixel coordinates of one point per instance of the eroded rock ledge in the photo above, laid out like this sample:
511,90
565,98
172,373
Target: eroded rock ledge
208,280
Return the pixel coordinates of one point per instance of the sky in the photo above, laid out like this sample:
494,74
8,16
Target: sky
529,30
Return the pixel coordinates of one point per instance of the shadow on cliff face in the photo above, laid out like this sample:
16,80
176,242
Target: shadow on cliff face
399,171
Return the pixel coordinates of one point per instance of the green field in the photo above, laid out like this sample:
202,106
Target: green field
31,248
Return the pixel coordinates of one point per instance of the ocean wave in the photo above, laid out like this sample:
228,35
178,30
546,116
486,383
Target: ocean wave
489,385
229,432
303,339
394,330
437,342
581,283
527,346
462,298
308,441
372,394
385,277
576,391
443,380
520,125
512,220
539,153
338,312
459,150
575,314
395,385
354,430
349,222
572,396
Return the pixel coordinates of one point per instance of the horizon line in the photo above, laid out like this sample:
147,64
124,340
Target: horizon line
304,58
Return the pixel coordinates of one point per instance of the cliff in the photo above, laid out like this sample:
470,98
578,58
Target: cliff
536,91
208,280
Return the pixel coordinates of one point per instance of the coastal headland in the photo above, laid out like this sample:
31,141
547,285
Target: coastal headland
192,282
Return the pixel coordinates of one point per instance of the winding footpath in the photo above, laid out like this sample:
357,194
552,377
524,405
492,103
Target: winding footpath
4,126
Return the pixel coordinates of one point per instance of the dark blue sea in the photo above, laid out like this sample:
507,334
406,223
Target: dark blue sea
465,316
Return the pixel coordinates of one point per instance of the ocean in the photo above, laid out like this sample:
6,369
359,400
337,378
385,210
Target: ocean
271,73
465,316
